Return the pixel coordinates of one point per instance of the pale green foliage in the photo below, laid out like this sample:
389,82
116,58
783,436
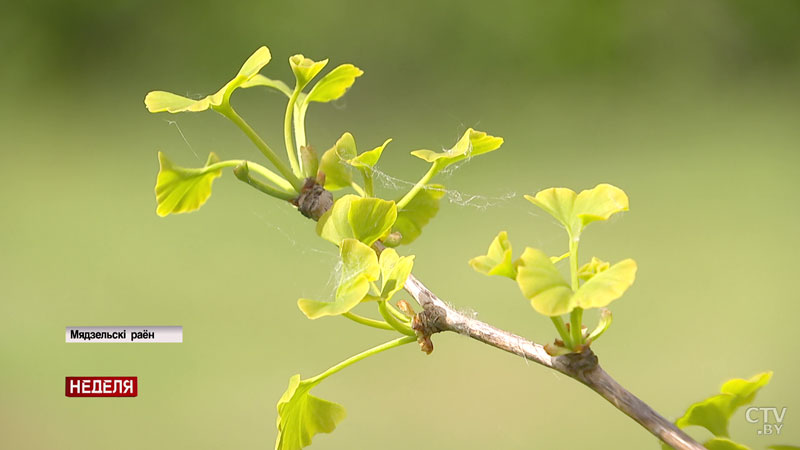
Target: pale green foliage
305,69
395,269
715,412
365,219
334,84
472,143
575,211
592,268
497,260
368,159
359,268
261,80
418,212
302,415
606,286
605,321
542,283
335,163
181,190
157,101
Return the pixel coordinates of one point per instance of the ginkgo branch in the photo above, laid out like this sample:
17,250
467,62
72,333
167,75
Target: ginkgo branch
439,316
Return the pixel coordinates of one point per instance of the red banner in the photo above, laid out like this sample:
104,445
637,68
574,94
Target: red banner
101,387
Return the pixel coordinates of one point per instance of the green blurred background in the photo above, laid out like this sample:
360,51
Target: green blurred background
692,107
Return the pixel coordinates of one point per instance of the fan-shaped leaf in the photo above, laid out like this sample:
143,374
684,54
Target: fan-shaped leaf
334,84
335,163
497,260
365,219
158,101
359,267
606,286
418,212
301,415
181,190
542,283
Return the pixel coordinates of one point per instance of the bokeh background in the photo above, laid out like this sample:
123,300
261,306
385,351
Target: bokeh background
692,107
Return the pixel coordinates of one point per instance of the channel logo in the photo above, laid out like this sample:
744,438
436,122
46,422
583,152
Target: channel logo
101,387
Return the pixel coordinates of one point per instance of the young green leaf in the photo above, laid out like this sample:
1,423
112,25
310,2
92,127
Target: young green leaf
606,286
365,219
542,283
305,69
602,325
418,212
301,415
497,260
368,159
783,447
723,444
575,211
715,412
334,84
472,143
158,101
181,190
359,267
335,163
395,270
592,268
261,80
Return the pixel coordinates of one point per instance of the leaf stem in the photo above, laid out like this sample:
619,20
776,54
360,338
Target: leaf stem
242,172
562,330
576,316
368,322
288,133
417,187
227,111
357,187
257,168
393,321
365,354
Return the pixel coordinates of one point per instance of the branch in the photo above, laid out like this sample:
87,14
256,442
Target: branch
438,316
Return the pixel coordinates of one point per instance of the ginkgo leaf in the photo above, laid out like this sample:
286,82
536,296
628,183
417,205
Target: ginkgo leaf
302,415
418,212
723,444
606,286
600,203
305,69
365,219
542,283
497,260
335,163
395,270
715,412
575,211
592,268
359,267
158,101
334,84
472,143
181,190
261,80
368,159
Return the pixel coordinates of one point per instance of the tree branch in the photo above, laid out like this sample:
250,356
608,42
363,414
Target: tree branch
438,316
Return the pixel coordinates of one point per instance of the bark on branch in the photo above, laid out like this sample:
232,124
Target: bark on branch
438,316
